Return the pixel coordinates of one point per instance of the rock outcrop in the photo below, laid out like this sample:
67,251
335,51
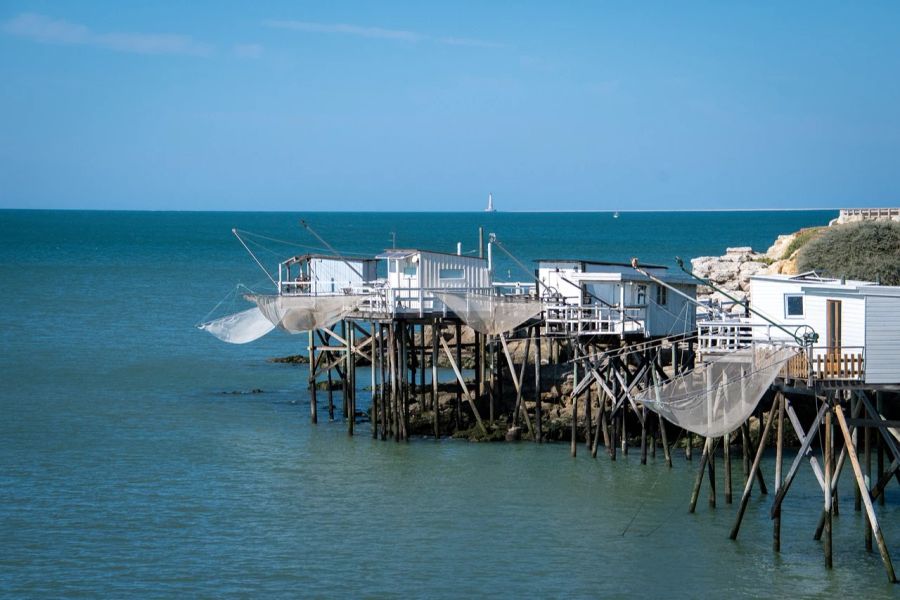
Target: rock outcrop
731,272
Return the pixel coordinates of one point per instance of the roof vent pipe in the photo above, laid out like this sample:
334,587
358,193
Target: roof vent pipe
459,248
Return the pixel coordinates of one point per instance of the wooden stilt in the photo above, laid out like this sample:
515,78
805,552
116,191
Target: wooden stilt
745,449
313,404
711,464
828,495
867,474
435,404
458,407
385,405
860,482
745,497
698,482
644,436
779,452
538,412
462,383
665,442
351,381
726,459
588,425
879,465
406,379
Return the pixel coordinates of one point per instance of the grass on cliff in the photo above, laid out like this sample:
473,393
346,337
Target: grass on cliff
800,240
869,250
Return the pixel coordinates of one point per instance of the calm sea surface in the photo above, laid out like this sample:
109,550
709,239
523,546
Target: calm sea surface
127,470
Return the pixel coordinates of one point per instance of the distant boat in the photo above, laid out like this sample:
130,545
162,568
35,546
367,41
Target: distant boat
616,215
490,206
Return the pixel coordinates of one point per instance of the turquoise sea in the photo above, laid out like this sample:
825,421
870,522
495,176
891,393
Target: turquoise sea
128,468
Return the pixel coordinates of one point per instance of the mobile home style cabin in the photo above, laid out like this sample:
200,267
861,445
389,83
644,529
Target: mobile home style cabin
318,274
414,275
589,297
857,322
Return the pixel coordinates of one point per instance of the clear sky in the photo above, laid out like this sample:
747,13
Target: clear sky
426,106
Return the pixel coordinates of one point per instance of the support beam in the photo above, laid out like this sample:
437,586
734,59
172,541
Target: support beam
745,497
462,383
867,501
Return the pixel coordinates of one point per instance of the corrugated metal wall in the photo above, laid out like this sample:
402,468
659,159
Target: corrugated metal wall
474,271
882,339
330,275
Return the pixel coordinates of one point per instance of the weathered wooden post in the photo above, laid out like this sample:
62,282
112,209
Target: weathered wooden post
435,403
726,458
351,381
313,407
538,412
779,452
458,407
828,493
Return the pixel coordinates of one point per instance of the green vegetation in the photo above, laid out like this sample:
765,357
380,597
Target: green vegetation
869,250
800,240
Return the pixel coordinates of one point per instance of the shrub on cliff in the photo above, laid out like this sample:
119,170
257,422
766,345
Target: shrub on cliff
869,250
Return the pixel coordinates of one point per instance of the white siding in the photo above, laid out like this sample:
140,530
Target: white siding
551,275
475,272
677,316
882,339
330,275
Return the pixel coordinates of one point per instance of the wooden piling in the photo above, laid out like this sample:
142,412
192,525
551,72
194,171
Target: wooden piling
726,459
313,405
867,501
538,412
458,408
745,497
351,381
779,453
827,459
711,464
698,482
435,403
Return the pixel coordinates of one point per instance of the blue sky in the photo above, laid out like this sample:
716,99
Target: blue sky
421,106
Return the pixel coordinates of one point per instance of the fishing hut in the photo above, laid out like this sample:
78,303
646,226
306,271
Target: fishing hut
624,344
836,382
320,274
589,297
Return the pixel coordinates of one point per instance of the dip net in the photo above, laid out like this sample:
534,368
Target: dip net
718,397
491,315
240,328
304,313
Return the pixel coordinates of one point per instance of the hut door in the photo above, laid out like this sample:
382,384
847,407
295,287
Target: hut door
833,326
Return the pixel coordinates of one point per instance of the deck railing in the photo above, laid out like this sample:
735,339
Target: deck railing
573,319
829,364
408,301
716,336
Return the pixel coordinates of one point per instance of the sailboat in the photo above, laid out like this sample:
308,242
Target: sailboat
616,215
490,206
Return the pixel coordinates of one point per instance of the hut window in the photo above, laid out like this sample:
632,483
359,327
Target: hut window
410,271
793,305
662,295
451,274
641,296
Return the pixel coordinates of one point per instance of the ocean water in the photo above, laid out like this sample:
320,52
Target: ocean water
128,468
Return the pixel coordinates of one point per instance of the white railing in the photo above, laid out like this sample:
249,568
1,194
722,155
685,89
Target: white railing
733,333
409,301
573,319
